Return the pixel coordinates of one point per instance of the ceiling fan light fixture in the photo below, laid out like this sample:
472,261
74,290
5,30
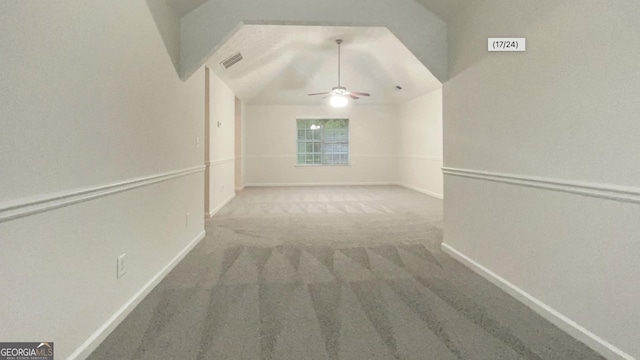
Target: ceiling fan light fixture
339,94
339,101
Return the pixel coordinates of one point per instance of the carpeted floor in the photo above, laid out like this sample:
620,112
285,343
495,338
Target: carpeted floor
331,273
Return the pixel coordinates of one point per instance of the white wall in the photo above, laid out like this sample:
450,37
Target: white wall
97,159
271,146
541,146
222,144
420,144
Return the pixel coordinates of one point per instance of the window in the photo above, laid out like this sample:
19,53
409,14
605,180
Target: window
323,141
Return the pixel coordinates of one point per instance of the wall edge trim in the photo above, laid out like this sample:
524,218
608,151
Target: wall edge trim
103,331
220,162
321,184
423,191
38,204
610,192
222,205
557,318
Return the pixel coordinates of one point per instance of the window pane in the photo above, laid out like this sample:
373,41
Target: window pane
322,141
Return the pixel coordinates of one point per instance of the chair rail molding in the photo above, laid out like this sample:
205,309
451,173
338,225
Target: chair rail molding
220,161
610,192
15,209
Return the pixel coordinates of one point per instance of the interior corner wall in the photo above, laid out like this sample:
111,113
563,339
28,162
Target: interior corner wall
98,158
240,145
271,146
420,144
541,187
168,24
221,143
244,144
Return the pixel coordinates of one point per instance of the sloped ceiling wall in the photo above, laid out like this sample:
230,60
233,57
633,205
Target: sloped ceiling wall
204,29
284,63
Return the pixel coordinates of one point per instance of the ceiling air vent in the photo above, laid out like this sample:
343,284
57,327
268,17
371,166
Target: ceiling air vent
231,60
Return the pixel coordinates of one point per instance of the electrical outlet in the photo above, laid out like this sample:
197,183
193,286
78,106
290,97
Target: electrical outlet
197,142
186,219
122,265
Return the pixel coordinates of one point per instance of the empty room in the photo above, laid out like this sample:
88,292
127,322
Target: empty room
363,179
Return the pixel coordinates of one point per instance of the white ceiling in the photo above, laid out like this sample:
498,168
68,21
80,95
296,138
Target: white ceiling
282,64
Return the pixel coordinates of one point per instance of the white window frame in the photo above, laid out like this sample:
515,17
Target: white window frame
323,118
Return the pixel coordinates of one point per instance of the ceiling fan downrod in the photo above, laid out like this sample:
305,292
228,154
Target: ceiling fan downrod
339,41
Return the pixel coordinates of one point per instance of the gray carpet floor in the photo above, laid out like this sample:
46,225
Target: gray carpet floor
331,273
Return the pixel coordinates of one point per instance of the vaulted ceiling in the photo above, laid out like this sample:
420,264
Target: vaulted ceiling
282,63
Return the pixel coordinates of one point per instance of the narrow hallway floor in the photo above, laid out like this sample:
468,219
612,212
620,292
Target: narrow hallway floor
331,273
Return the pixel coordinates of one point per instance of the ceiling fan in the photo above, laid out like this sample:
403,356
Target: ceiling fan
339,94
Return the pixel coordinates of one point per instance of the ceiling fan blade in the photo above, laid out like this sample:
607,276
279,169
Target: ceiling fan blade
341,91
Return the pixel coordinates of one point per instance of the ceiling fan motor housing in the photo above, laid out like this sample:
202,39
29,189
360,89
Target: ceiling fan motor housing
339,90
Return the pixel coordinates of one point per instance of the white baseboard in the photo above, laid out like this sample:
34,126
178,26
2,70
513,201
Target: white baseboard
426,192
101,334
240,188
567,325
223,204
320,184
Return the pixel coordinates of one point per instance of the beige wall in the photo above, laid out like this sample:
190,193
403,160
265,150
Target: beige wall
98,158
420,144
271,146
222,144
541,194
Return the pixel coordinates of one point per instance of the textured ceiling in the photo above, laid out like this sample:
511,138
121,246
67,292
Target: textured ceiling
282,64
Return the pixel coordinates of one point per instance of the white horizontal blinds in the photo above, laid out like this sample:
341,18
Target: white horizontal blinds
323,141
